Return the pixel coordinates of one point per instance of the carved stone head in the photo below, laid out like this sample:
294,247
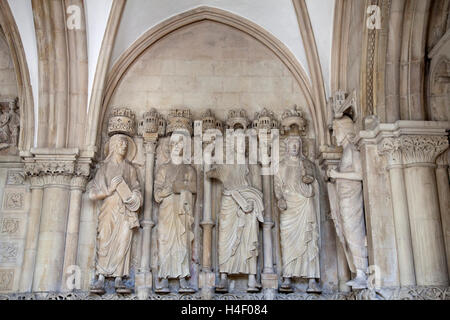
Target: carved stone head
343,129
119,145
294,146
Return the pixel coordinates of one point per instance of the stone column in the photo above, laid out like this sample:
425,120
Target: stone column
443,186
390,147
207,277
420,153
56,167
26,277
52,233
144,276
77,187
269,278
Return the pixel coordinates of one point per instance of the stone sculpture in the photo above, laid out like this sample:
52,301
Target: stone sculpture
299,229
9,124
116,183
349,213
175,189
241,209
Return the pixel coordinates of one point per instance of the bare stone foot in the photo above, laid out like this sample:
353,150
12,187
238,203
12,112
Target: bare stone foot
286,286
162,289
98,288
222,287
120,286
313,287
185,287
252,285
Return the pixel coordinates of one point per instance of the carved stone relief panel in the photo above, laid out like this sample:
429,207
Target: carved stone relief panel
14,200
15,177
10,253
10,226
6,279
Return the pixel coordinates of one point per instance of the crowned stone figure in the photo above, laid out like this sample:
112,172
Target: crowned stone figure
240,213
299,229
116,184
175,189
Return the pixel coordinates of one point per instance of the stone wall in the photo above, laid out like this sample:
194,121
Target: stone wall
209,65
8,83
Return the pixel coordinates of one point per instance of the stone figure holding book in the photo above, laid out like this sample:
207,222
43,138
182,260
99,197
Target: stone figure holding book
117,184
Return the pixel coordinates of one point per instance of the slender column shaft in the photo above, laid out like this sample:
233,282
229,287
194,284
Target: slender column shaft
29,258
147,223
207,222
443,186
73,227
268,224
427,238
52,234
402,227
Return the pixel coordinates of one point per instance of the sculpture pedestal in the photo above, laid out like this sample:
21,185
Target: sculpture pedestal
207,282
269,283
143,284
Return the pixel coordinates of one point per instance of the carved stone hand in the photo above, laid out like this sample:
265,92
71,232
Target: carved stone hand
282,205
114,183
307,179
332,173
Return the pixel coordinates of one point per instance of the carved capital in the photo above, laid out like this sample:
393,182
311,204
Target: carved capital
150,146
36,182
391,149
83,169
422,149
50,168
79,182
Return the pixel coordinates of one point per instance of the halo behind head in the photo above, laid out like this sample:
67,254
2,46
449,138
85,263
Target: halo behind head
132,149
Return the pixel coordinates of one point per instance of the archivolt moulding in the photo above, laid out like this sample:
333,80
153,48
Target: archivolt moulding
26,106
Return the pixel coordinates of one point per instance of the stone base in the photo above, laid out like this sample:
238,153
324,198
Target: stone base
406,293
269,280
207,280
143,284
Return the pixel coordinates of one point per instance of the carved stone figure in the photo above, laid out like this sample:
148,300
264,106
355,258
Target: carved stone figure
349,222
4,128
14,123
9,124
299,229
117,184
175,187
241,209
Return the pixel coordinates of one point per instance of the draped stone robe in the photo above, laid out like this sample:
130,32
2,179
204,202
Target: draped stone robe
350,195
116,220
238,230
299,230
175,219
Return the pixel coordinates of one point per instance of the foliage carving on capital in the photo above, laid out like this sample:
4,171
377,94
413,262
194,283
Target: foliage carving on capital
391,148
50,168
423,149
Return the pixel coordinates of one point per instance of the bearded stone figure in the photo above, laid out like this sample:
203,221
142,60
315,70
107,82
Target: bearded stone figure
241,209
299,229
175,187
116,184
349,222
